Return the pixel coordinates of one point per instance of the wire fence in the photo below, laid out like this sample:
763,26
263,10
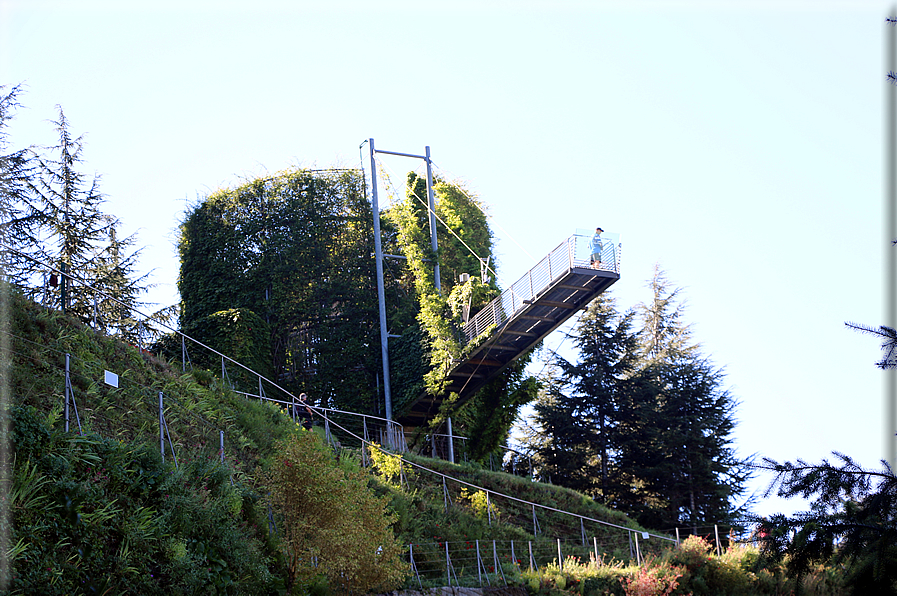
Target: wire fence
343,429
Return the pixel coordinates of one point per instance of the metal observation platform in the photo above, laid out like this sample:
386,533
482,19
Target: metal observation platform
554,290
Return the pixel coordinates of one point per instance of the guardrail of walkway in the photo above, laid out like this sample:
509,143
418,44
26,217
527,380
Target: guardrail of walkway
575,251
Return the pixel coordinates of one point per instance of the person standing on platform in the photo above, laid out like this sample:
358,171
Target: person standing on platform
596,245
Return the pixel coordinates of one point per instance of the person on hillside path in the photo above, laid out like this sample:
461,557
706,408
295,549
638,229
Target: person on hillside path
304,412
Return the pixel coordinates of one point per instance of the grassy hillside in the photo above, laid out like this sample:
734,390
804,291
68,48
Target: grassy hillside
98,511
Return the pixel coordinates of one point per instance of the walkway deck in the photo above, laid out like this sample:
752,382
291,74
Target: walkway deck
538,303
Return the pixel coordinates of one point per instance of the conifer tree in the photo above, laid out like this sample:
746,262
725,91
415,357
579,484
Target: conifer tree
18,224
80,240
579,414
69,211
684,419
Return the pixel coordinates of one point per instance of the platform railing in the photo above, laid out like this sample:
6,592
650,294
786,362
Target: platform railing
575,251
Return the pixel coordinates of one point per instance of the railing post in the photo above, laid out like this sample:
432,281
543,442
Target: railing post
221,445
532,561
161,428
479,563
595,544
535,522
582,530
68,385
560,557
448,565
451,441
488,508
677,537
445,497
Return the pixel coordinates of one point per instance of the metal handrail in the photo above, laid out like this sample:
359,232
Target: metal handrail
573,252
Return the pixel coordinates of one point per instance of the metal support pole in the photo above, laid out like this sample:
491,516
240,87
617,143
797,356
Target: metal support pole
890,256
183,355
221,444
535,522
68,385
595,544
496,563
716,533
431,202
413,565
448,565
582,531
161,428
532,562
479,564
638,554
677,537
445,497
451,442
560,556
381,299
488,508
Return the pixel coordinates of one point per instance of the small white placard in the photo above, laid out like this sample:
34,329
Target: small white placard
645,536
111,378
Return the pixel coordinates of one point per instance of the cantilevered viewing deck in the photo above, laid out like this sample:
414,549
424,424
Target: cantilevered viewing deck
561,284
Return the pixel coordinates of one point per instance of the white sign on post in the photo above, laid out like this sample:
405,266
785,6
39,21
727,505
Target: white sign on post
111,378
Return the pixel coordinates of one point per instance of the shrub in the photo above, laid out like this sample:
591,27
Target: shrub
331,523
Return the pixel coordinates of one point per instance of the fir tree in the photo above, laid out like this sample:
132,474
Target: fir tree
81,242
684,418
69,209
18,223
852,522
578,415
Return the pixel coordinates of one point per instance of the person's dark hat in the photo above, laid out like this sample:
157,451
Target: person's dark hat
598,230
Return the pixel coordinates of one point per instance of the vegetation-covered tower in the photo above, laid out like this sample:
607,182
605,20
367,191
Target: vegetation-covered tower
278,272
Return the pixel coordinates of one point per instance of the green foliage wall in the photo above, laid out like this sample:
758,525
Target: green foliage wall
295,249
464,239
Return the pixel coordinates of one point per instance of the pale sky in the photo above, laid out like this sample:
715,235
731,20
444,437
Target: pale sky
738,144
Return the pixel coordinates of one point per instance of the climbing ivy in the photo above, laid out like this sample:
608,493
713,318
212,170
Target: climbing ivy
295,250
488,416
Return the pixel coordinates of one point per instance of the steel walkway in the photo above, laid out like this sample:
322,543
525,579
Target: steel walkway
550,293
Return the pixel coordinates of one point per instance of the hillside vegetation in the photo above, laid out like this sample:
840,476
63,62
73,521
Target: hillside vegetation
98,509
